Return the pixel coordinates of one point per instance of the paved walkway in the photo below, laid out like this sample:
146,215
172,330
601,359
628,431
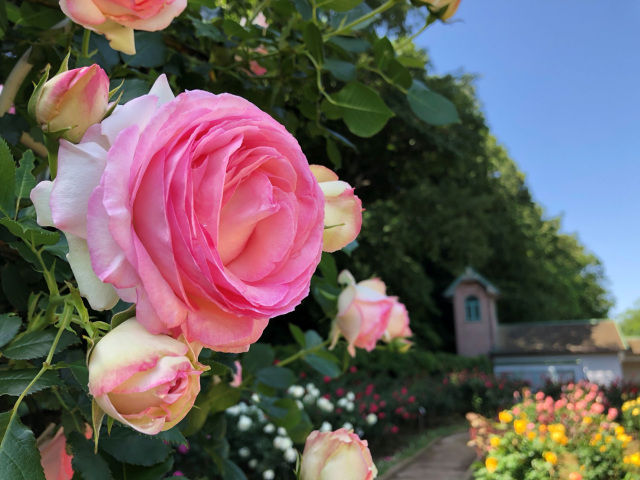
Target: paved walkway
448,458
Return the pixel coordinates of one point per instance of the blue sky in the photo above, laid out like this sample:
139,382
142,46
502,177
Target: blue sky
559,82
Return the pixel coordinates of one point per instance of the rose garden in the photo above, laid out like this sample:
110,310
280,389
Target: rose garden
215,262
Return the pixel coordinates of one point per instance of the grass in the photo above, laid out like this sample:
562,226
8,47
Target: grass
417,443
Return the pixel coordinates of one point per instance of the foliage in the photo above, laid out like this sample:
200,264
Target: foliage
629,320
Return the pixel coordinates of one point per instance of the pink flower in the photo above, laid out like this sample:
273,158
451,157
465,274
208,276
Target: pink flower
117,19
449,7
202,209
55,460
597,408
74,99
146,381
328,455
611,414
237,377
342,211
363,313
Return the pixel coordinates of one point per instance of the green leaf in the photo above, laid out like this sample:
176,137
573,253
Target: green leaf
29,230
79,370
341,70
352,15
322,365
19,456
9,326
221,397
331,111
276,377
313,41
232,471
339,5
128,446
89,465
383,53
313,339
302,429
333,152
431,107
283,412
234,29
14,382
123,316
328,268
297,334
155,472
258,356
7,180
173,435
411,62
398,74
353,45
25,181
363,110
151,50
37,344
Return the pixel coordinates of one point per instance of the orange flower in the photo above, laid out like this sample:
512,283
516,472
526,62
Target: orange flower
491,463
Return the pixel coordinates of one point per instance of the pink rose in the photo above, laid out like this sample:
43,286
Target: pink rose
364,311
146,381
73,99
342,210
329,455
200,208
237,377
448,7
54,458
117,19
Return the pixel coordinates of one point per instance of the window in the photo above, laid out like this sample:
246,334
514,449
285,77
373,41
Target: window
472,309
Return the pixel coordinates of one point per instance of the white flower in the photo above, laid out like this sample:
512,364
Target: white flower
269,428
372,419
300,405
347,426
296,391
237,409
351,397
244,423
244,452
326,427
290,455
325,405
308,399
350,406
282,431
342,402
253,463
282,443
255,398
268,475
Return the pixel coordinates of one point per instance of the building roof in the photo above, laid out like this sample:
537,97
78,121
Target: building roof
470,275
568,337
634,344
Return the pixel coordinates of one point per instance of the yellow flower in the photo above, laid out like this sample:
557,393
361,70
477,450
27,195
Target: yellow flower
491,463
587,420
531,435
520,426
505,416
635,412
603,448
550,457
560,438
619,430
494,441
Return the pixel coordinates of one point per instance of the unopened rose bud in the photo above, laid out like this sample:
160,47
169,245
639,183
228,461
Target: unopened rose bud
440,5
342,210
74,100
328,455
146,381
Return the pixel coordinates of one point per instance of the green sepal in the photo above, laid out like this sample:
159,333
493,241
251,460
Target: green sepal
64,66
35,96
97,414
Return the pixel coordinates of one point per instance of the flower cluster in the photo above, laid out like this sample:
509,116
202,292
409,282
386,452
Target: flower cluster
571,436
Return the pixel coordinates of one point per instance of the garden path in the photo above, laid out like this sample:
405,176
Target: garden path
448,458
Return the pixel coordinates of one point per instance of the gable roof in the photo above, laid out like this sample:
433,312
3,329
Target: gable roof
470,275
568,337
634,344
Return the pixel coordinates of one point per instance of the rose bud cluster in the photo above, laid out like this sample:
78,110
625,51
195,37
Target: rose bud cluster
117,20
366,314
148,382
72,101
339,454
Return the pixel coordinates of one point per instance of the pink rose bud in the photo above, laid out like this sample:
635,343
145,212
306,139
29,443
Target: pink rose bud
364,311
117,19
74,99
342,210
55,460
330,455
237,377
398,328
146,381
436,6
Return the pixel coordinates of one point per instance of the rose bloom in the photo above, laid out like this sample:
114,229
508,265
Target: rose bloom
117,19
146,381
202,209
437,5
76,98
342,210
336,455
363,313
54,458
